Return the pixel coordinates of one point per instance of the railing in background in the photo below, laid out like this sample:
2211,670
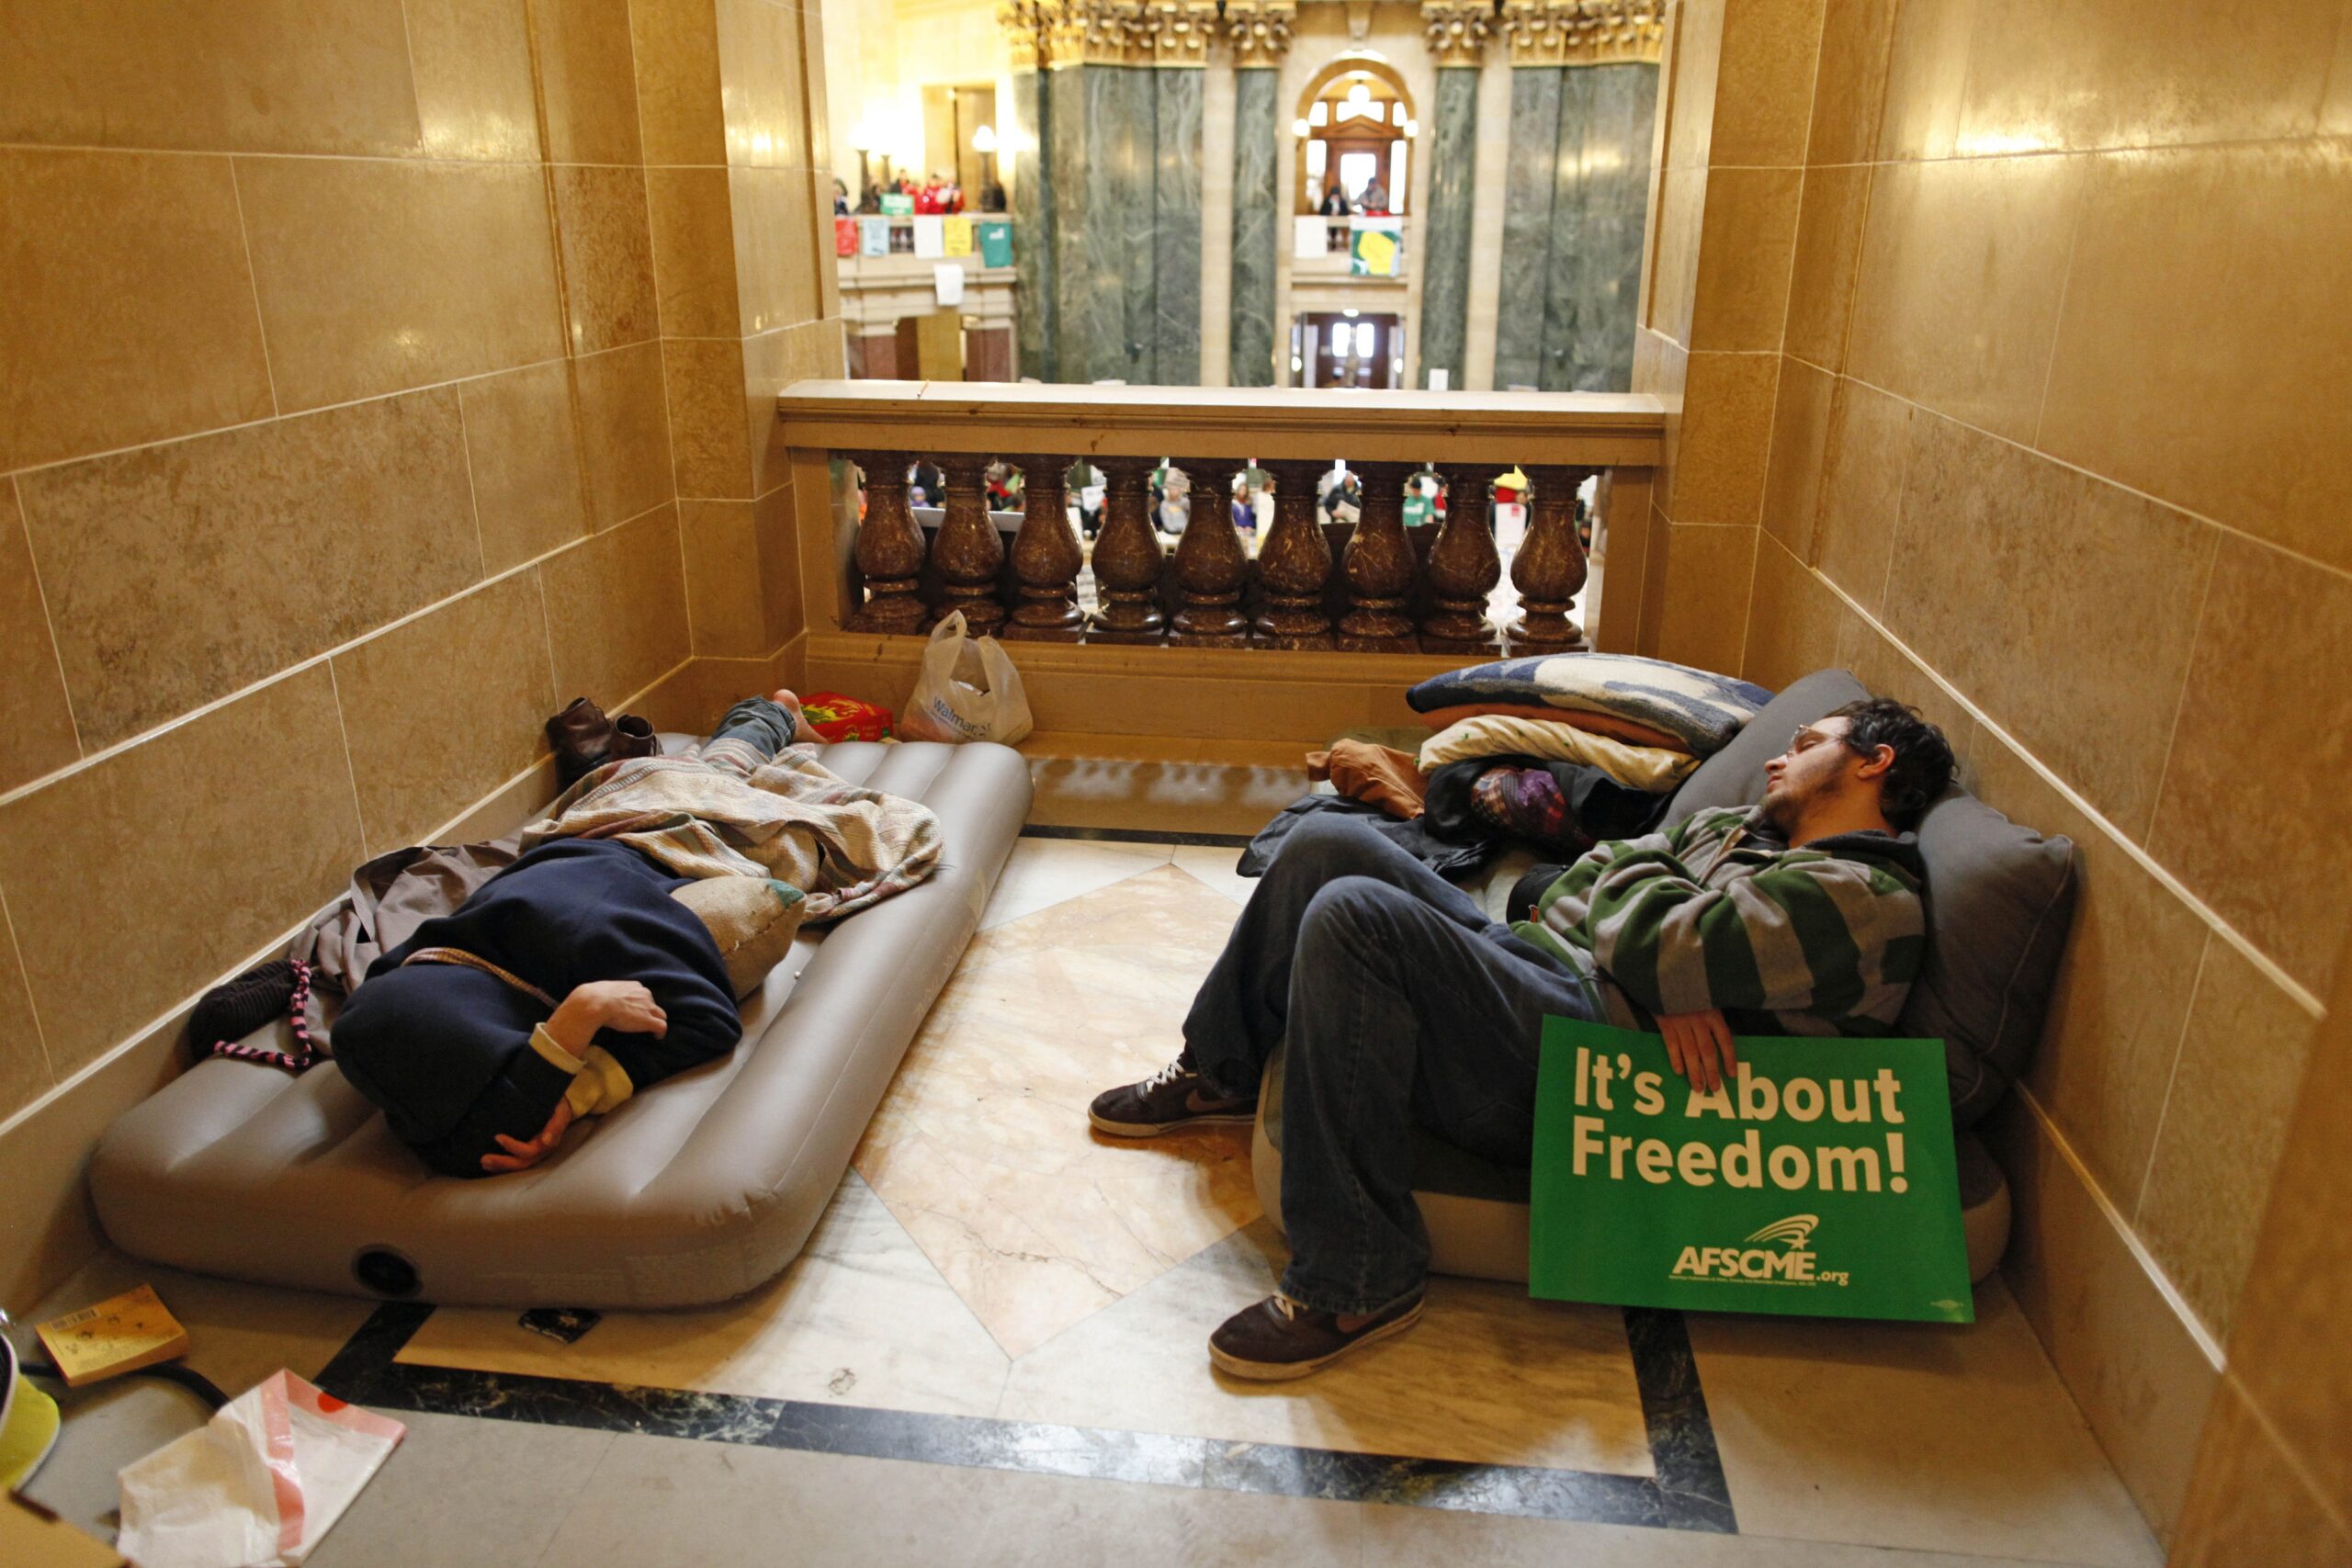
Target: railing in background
1313,588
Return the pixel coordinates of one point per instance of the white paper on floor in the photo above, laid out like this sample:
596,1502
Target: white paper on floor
258,1484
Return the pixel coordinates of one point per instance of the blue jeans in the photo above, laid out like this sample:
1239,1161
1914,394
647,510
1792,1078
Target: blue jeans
750,734
1402,1005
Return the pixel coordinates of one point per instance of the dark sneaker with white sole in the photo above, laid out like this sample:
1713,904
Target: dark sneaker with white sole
1279,1338
1175,1096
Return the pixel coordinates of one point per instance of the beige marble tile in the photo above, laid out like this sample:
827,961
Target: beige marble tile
2106,1054
1708,574
709,436
472,61
2251,1503
2251,694
523,450
776,233
444,709
616,609
772,361
1800,438
1793,619
2165,73
860,1317
1763,97
624,432
982,1149
1828,252
2242,1059
79,854
374,277
760,63
2336,109
1889,671
773,526
607,254
1041,872
694,252
33,709
1968,252
2237,251
1488,1376
1407,1537
725,603
678,91
235,75
127,310
2133,1366
1212,866
1725,438
1911,1436
238,1333
460,1488
1693,61
24,1062
1674,266
1849,81
1861,491
175,574
1927,73
1747,239
1192,798
588,81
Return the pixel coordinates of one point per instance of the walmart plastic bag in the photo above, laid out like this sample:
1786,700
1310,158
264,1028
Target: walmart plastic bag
969,690
259,1483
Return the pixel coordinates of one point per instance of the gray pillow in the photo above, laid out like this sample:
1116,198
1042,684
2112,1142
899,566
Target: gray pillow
2000,900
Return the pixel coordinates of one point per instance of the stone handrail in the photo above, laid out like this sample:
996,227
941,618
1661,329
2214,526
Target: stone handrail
1311,589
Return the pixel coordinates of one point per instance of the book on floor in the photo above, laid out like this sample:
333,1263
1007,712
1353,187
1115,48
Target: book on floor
118,1335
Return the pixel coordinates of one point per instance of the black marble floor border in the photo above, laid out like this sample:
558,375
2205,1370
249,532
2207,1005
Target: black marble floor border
1135,836
1688,1493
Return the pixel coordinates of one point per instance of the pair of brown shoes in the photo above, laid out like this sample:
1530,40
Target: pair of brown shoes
584,739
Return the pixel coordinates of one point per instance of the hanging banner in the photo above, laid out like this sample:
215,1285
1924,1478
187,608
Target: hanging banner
845,236
995,240
959,234
1376,247
873,236
1820,1182
931,234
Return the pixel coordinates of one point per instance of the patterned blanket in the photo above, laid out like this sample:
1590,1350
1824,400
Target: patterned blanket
792,821
1702,709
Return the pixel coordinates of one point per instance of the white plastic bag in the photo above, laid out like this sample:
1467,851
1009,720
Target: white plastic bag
259,1483
969,690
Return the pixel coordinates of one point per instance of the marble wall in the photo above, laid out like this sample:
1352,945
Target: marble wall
1446,225
1256,224
1576,191
416,389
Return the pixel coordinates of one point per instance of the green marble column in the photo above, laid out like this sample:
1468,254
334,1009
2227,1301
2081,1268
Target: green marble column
1175,249
1033,236
1446,217
1256,226
1530,179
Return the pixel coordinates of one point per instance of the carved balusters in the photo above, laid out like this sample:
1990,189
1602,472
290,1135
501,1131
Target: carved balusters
1549,570
1128,557
889,549
1294,563
1464,567
1045,557
1211,566
969,552
1379,566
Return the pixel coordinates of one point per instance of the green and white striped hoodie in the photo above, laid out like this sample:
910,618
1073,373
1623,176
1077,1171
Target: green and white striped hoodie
1717,911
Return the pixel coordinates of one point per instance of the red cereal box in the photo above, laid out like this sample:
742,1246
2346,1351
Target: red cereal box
837,717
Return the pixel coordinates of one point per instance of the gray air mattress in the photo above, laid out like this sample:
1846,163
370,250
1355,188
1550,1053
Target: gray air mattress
698,1190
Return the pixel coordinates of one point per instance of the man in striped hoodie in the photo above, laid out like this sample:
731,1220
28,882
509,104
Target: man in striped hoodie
1403,1004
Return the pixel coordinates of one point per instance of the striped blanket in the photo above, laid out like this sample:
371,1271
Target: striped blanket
790,820
1702,709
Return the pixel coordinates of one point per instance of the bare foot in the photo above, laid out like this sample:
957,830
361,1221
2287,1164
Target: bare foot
784,698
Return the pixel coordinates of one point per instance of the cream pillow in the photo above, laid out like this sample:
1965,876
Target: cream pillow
1500,735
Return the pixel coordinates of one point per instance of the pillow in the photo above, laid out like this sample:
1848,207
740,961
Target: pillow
1704,711
1495,735
2000,901
752,919
1616,728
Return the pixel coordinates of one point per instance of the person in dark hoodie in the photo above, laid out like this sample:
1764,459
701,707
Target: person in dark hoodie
564,985
1403,1004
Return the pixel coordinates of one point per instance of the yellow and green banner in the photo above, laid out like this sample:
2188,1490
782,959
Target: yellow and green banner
1818,1181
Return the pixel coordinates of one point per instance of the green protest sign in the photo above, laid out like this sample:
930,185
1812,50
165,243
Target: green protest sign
1819,1181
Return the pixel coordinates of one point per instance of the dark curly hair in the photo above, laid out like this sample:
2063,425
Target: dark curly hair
1922,769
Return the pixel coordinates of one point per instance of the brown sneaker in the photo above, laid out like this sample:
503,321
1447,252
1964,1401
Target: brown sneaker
582,738
1279,1338
634,737
1176,1096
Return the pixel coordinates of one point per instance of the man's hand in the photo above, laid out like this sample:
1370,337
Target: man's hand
521,1155
606,1004
1699,1045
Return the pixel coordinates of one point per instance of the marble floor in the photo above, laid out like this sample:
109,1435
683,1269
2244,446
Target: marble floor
991,1351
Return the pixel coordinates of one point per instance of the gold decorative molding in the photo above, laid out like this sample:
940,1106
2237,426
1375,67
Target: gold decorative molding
1458,32
1260,30
1050,34
1022,24
1180,31
1584,32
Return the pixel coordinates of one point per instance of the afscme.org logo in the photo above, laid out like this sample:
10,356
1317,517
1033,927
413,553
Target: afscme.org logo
1755,1259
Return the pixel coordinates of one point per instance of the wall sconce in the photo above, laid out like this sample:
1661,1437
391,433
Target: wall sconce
1298,128
1412,128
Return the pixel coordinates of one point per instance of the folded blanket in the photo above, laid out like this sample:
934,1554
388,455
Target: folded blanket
1616,728
1704,710
1637,767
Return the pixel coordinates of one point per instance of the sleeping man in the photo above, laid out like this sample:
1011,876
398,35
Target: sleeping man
656,892
1403,1004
